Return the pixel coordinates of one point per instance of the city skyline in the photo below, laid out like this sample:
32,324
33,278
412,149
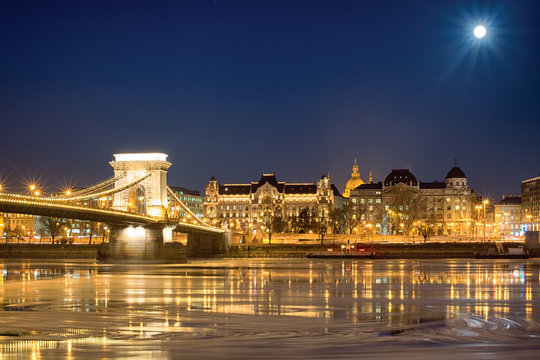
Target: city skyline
233,89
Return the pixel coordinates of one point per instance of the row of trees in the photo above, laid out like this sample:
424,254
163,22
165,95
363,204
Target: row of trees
57,229
405,214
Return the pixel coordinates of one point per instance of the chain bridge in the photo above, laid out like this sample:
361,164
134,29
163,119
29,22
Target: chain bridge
136,203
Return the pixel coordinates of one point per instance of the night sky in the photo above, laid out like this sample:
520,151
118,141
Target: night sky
300,88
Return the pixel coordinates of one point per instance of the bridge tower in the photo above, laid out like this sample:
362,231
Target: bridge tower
148,197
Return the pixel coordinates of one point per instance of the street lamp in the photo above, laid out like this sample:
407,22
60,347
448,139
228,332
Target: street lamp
34,190
485,203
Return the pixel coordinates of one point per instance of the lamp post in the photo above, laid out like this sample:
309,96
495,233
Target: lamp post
484,203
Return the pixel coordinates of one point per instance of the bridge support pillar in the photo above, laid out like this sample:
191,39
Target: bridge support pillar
135,242
141,243
204,244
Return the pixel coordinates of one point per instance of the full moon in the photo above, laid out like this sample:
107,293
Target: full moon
480,31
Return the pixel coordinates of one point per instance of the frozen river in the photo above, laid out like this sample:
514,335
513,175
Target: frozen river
268,308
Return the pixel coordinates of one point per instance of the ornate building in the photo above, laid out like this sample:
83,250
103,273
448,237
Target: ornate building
397,204
354,182
246,203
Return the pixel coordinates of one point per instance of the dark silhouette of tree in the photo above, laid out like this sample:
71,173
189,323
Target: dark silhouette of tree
52,226
336,217
304,219
427,227
94,229
353,214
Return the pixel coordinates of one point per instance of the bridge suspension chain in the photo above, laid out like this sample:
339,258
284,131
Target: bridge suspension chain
103,193
185,208
98,186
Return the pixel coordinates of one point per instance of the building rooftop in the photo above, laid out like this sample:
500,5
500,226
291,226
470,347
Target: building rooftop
183,190
400,176
455,172
510,200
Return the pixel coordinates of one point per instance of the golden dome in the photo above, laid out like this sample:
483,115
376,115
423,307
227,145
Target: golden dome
354,181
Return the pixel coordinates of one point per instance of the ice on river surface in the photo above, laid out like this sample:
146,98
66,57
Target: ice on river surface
269,308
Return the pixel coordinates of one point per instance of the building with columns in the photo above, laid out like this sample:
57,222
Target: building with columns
246,203
395,205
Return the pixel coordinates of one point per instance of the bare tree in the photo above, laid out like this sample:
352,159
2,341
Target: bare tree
7,231
336,217
53,226
268,223
353,214
426,227
304,219
94,228
405,207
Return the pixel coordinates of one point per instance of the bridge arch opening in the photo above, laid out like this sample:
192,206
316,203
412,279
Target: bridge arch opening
137,199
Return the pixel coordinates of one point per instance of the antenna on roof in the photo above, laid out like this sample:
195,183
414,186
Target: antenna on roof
455,162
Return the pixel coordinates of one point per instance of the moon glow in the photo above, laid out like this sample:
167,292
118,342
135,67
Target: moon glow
480,31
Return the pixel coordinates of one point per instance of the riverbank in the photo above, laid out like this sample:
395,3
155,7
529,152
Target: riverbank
48,251
431,250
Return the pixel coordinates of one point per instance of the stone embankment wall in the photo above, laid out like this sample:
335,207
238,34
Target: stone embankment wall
386,251
47,251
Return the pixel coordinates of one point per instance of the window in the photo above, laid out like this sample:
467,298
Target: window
457,207
370,201
354,201
378,201
362,201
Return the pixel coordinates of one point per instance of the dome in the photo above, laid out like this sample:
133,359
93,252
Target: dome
455,172
400,176
354,182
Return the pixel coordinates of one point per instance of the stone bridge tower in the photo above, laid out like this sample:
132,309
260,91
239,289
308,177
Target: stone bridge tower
148,197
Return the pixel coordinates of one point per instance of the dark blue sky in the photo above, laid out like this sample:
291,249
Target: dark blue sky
231,89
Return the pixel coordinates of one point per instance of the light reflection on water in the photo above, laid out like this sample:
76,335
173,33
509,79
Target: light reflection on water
66,309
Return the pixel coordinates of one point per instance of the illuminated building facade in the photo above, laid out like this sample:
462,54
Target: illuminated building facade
246,203
530,197
191,198
392,205
17,225
508,216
